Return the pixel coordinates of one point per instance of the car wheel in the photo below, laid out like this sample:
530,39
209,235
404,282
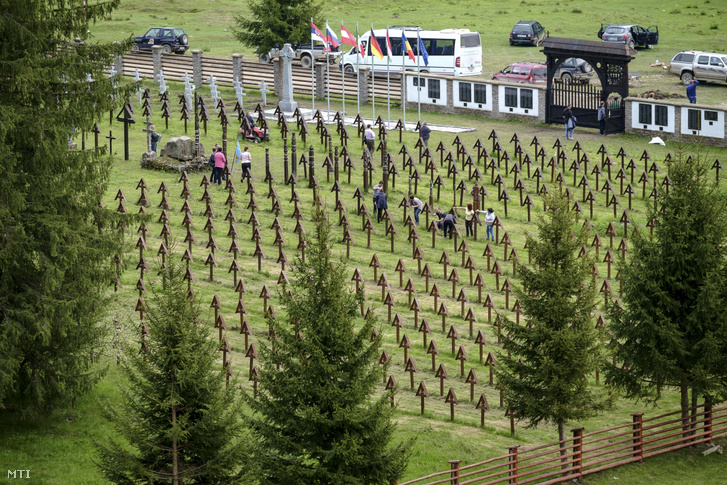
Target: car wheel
167,49
687,77
348,69
632,44
264,58
135,48
306,61
566,78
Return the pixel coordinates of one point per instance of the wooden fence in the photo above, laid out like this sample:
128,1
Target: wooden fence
587,453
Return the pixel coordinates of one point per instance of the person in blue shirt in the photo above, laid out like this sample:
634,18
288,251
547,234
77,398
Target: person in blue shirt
692,91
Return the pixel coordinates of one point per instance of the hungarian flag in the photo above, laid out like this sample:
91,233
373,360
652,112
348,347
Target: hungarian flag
375,47
331,37
347,37
406,48
388,44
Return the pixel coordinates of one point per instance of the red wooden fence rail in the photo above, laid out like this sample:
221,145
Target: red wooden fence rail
588,453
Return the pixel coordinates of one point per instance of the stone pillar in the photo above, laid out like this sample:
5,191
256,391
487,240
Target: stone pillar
197,68
119,65
320,81
363,87
156,52
287,104
237,67
278,78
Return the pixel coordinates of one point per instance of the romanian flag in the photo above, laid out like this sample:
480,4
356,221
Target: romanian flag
375,47
388,44
406,48
423,52
347,37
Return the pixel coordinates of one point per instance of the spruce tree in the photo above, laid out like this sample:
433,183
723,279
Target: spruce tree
56,240
178,420
672,328
272,23
315,419
558,344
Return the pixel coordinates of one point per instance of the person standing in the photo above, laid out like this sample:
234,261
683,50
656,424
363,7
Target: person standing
490,222
377,190
424,132
211,163
155,138
602,118
381,205
417,205
448,222
570,122
245,163
220,163
692,91
469,218
369,138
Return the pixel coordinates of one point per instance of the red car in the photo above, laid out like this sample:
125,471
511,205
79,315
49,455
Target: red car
524,72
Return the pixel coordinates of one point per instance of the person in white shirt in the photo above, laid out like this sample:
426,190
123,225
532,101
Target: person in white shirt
417,205
490,222
369,138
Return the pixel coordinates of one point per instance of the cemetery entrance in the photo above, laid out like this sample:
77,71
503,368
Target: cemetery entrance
609,62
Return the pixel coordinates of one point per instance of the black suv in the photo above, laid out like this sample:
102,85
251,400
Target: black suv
171,40
527,32
574,70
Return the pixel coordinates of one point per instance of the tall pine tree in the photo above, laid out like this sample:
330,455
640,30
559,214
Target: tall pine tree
315,418
56,245
272,23
558,345
179,421
672,329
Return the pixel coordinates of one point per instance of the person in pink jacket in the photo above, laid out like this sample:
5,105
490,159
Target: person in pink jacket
220,162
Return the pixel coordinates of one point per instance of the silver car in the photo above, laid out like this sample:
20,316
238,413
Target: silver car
630,34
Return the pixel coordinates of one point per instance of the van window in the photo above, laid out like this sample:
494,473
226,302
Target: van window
470,40
684,57
703,60
442,47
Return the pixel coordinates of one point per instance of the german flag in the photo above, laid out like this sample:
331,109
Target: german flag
375,47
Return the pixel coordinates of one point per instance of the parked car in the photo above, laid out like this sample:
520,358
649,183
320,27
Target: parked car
305,53
575,70
524,72
631,34
699,65
170,38
527,32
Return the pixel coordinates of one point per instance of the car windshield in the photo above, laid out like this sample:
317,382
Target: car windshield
540,71
521,28
615,30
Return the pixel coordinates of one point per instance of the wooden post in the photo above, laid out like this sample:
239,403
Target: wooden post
454,466
513,463
638,435
577,463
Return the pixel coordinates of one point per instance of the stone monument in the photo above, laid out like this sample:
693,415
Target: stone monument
287,104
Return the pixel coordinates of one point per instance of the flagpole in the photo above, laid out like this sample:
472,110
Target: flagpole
373,81
388,81
327,49
312,73
403,78
419,78
358,72
343,80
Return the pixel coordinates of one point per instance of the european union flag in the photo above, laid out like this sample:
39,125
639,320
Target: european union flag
423,52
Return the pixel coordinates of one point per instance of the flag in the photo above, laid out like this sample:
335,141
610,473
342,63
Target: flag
406,48
331,38
375,47
359,46
238,153
347,37
423,52
315,35
388,44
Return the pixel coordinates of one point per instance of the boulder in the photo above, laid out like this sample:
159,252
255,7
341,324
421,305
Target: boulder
180,148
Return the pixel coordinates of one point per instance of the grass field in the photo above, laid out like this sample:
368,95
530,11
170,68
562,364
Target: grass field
58,448
689,25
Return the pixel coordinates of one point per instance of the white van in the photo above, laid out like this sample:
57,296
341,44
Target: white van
456,52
